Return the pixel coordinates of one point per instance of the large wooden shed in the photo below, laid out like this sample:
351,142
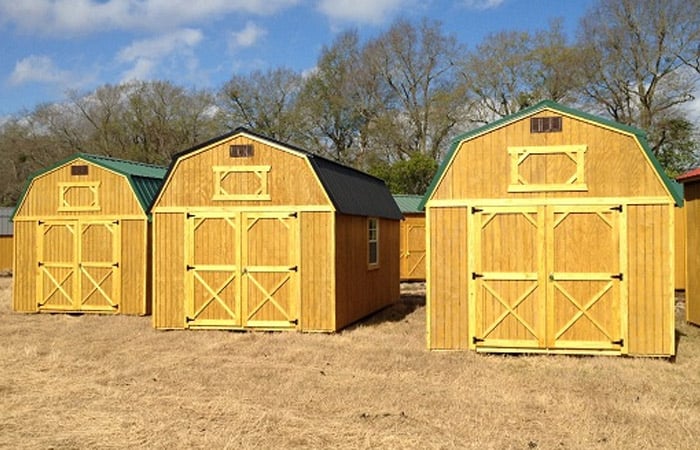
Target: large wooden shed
691,184
82,237
5,239
551,231
412,247
252,233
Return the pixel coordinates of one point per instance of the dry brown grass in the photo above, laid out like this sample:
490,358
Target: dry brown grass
94,381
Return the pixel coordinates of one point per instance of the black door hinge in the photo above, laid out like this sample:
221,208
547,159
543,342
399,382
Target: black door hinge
620,342
295,321
188,267
476,210
476,340
616,208
476,275
619,276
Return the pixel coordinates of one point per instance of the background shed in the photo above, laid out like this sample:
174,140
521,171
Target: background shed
551,230
82,237
412,248
691,184
252,233
5,239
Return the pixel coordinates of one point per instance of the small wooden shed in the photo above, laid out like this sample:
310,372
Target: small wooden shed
82,237
412,248
551,231
5,239
691,184
252,233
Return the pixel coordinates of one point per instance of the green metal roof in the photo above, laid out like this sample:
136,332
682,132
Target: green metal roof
145,179
673,188
409,204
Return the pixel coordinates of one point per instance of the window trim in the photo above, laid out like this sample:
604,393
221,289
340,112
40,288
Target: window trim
92,187
261,172
372,242
576,182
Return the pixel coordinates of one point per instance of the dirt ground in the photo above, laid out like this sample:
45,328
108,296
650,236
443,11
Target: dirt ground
113,382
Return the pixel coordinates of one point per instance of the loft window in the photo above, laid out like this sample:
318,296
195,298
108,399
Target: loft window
78,170
240,151
547,168
79,196
373,242
545,124
241,182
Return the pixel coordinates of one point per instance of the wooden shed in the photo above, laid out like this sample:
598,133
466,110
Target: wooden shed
551,230
82,237
412,247
691,192
252,233
5,239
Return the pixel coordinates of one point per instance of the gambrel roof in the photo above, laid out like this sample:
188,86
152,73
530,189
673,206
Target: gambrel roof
145,179
674,189
351,191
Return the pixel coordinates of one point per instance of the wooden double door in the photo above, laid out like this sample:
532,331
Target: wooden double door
78,265
548,277
242,270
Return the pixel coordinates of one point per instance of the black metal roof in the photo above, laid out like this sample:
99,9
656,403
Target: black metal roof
351,191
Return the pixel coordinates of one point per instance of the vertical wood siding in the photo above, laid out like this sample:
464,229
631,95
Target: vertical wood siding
168,271
680,248
317,272
447,295
481,166
5,252
361,290
113,234
651,299
25,271
580,245
290,179
692,290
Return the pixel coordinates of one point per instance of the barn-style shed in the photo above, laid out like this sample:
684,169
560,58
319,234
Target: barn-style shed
691,184
5,239
412,247
252,233
551,230
82,237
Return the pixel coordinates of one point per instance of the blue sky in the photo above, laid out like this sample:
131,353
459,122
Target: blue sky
50,46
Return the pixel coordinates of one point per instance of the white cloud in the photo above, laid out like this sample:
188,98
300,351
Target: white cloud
87,16
482,4
146,54
247,37
361,11
38,69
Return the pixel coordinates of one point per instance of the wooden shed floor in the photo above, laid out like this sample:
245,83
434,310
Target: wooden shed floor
96,381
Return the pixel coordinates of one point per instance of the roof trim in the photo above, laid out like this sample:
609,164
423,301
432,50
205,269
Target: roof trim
639,134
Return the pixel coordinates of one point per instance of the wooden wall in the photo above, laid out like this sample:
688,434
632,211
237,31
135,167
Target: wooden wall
448,277
168,270
117,202
317,271
616,172
614,163
651,279
692,289
291,180
5,253
412,247
679,248
360,289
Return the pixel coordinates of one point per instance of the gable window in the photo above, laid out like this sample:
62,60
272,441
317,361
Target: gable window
373,242
545,124
79,196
